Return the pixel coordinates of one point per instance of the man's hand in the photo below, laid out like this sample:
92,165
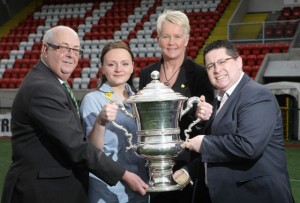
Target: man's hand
204,109
135,183
194,143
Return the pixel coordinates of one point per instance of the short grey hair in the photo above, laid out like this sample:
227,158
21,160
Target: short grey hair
51,33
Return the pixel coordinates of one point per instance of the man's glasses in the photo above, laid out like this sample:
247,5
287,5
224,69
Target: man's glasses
220,62
64,49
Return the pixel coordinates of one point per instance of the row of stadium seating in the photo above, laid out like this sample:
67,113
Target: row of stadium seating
135,24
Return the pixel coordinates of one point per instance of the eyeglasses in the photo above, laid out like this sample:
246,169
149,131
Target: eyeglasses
64,49
220,62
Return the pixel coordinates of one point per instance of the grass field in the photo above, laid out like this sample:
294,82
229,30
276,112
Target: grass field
293,156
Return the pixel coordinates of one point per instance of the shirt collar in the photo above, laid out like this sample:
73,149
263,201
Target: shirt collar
105,87
230,90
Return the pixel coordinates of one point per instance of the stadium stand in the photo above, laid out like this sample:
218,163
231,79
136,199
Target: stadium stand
97,23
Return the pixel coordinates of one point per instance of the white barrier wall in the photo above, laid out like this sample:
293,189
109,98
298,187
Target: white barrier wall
5,125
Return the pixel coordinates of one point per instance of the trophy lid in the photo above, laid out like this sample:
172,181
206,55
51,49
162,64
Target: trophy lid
155,91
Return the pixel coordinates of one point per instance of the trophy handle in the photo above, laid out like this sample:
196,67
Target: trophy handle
189,105
127,134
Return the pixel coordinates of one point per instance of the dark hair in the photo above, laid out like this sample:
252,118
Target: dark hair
231,50
116,45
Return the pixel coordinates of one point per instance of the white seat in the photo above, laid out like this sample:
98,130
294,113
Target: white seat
147,34
13,54
85,83
135,51
140,34
20,54
133,43
76,83
94,62
85,73
3,63
142,52
135,82
148,26
124,34
94,53
157,52
86,53
94,72
95,44
150,51
141,42
2,70
117,35
124,26
87,44
149,42
10,63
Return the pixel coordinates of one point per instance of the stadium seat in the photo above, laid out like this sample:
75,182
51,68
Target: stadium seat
93,83
251,60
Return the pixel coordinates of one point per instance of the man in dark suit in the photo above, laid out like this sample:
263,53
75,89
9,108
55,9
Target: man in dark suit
50,156
243,148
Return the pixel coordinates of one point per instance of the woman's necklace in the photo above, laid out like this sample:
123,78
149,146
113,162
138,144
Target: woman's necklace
167,83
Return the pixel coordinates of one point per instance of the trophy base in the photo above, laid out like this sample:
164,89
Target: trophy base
165,188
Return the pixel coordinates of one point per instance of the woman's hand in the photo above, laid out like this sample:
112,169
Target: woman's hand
108,113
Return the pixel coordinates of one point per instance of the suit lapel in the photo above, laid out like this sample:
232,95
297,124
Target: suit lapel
232,99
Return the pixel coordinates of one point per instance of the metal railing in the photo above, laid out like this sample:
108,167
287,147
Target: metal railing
261,32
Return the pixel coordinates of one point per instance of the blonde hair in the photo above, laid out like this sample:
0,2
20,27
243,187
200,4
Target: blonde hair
176,17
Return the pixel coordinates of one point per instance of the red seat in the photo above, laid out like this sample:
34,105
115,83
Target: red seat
70,81
15,73
256,49
286,11
132,34
192,51
255,69
247,69
259,59
278,31
266,48
12,83
7,73
289,30
23,72
251,60
269,31
4,82
76,73
93,83
246,49
199,41
19,81
205,32
143,62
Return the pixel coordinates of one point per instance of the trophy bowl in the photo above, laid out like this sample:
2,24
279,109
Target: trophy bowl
157,110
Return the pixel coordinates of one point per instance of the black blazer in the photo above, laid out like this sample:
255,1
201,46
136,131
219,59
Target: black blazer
50,157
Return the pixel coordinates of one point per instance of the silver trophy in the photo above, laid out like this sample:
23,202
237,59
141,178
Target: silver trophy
157,110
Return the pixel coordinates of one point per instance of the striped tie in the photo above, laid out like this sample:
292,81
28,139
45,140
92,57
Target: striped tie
67,86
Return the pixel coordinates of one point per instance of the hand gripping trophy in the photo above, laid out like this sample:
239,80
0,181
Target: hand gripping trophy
157,110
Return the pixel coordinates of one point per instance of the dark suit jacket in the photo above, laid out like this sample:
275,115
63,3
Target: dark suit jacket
244,149
50,157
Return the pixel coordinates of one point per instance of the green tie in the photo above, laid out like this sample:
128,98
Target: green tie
67,86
